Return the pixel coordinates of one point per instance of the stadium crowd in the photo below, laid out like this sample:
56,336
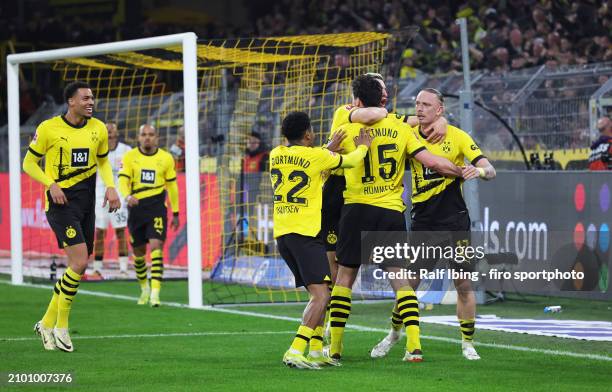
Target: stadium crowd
504,34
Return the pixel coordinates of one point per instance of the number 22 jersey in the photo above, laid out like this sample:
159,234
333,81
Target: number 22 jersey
297,180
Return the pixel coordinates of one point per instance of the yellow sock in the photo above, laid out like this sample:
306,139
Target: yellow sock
316,341
50,317
301,339
339,313
467,327
69,285
141,270
408,309
157,268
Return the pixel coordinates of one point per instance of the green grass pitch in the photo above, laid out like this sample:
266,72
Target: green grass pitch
122,346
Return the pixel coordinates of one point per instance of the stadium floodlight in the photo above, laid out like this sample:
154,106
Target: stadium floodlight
188,41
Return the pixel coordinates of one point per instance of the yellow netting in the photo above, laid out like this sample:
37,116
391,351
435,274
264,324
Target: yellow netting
245,85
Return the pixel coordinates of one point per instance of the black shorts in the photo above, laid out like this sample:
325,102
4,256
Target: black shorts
305,257
454,233
358,218
333,200
147,221
73,223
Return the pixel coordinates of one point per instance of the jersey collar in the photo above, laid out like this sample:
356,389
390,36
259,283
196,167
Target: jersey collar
71,124
149,155
421,133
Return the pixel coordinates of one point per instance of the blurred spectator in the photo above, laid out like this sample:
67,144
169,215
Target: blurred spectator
177,149
257,154
600,157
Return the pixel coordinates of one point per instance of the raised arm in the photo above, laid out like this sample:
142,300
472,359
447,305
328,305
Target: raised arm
367,116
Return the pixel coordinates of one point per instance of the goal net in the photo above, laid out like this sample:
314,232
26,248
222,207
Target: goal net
245,88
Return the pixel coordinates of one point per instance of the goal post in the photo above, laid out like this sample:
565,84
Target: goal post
188,42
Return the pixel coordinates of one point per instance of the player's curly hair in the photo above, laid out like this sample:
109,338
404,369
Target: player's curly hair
295,125
71,89
368,90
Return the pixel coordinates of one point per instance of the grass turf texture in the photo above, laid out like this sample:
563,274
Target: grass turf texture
241,352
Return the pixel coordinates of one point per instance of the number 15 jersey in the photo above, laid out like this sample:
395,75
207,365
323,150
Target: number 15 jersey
297,180
378,181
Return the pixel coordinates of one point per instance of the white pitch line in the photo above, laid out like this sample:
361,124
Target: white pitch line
349,326
157,335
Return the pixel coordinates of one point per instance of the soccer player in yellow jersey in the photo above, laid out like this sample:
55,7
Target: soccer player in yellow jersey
296,172
75,147
438,205
333,200
335,184
146,174
373,202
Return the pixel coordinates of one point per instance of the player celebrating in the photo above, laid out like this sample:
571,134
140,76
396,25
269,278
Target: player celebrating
74,146
373,202
146,173
335,184
117,219
438,205
296,172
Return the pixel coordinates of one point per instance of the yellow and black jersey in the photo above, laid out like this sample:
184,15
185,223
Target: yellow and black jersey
378,181
146,177
435,197
71,152
342,116
297,179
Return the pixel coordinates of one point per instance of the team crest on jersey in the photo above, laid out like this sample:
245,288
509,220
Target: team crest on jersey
332,238
446,147
94,136
70,232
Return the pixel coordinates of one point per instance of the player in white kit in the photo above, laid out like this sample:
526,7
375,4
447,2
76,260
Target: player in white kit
117,219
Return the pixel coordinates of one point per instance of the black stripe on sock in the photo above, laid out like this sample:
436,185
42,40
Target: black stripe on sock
302,337
468,333
411,322
338,314
340,298
157,258
408,306
76,280
69,285
407,298
317,337
410,314
337,323
67,292
340,306
467,325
